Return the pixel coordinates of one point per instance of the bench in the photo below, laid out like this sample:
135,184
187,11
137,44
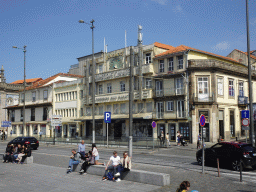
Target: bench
28,160
147,177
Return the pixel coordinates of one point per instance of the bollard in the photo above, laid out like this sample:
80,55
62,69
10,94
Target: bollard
218,164
241,179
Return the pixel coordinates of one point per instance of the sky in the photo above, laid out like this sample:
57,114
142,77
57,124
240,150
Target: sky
55,39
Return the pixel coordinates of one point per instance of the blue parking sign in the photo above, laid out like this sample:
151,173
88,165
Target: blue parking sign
107,117
245,114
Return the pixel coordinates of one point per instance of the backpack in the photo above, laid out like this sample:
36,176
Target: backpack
110,175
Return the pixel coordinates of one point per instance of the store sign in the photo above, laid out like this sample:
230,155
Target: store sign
121,97
112,75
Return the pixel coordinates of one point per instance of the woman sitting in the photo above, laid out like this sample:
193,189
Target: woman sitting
89,160
21,154
96,155
126,165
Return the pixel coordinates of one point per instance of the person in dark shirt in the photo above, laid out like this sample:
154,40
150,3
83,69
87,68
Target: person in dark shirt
89,160
8,153
27,152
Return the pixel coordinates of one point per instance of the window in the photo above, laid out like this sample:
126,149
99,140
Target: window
109,108
148,58
21,115
161,66
45,111
22,98
149,107
179,86
101,110
148,83
45,95
231,87
140,107
81,94
159,88
100,68
34,96
122,108
169,106
180,61
109,88
32,114
220,86
81,112
170,65
180,109
116,109
88,111
12,115
100,88
241,89
122,86
203,90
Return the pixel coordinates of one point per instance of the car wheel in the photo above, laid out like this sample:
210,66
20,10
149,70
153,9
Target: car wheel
199,160
236,165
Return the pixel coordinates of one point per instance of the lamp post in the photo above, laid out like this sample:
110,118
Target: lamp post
24,83
93,81
252,136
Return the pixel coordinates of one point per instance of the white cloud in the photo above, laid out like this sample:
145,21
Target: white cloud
161,2
221,46
253,22
178,9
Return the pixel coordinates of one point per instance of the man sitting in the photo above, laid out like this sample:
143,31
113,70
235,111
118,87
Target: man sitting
115,160
74,160
126,165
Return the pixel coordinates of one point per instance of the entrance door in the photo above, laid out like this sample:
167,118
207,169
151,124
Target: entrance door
118,129
207,132
221,124
159,109
160,128
172,131
203,90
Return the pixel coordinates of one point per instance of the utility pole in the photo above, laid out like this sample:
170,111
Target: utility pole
131,99
252,136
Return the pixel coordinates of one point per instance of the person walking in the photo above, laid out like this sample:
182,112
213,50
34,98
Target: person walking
178,138
199,141
81,148
96,155
40,134
162,138
11,133
167,140
5,134
1,135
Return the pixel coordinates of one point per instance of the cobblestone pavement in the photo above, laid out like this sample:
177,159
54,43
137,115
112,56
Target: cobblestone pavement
179,162
36,177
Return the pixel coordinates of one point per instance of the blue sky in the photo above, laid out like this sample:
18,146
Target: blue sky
55,39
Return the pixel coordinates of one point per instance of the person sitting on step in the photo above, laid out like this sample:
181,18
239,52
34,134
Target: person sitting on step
75,159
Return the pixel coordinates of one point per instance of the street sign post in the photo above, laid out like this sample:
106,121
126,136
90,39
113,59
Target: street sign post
56,120
202,124
6,123
107,120
245,123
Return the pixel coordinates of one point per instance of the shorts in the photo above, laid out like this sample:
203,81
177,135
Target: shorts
97,158
178,140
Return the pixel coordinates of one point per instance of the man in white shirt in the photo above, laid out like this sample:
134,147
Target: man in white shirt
81,148
112,165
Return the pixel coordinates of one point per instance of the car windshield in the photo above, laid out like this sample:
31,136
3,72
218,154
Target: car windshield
248,147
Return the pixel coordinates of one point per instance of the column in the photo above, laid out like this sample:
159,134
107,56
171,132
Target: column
62,130
48,131
30,130
68,131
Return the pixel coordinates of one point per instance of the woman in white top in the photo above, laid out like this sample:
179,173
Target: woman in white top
95,153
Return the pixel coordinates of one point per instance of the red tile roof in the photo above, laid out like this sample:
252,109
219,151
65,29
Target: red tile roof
252,56
45,81
163,46
183,48
27,81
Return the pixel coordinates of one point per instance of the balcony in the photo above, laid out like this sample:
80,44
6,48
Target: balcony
203,99
242,100
32,118
169,92
163,115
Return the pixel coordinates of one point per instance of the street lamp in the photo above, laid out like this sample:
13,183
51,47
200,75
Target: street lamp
24,83
93,81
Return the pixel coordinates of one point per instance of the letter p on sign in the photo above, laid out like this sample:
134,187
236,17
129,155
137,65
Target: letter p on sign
107,117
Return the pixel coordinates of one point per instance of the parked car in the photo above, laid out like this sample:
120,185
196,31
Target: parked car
230,154
32,141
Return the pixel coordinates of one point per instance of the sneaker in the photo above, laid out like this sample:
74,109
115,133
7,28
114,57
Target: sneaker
69,168
81,171
118,180
117,174
68,171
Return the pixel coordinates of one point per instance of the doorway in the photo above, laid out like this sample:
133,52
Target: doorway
221,124
118,129
172,131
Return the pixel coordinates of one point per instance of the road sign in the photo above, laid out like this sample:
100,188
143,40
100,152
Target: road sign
245,114
202,120
6,123
153,124
245,122
245,128
107,117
